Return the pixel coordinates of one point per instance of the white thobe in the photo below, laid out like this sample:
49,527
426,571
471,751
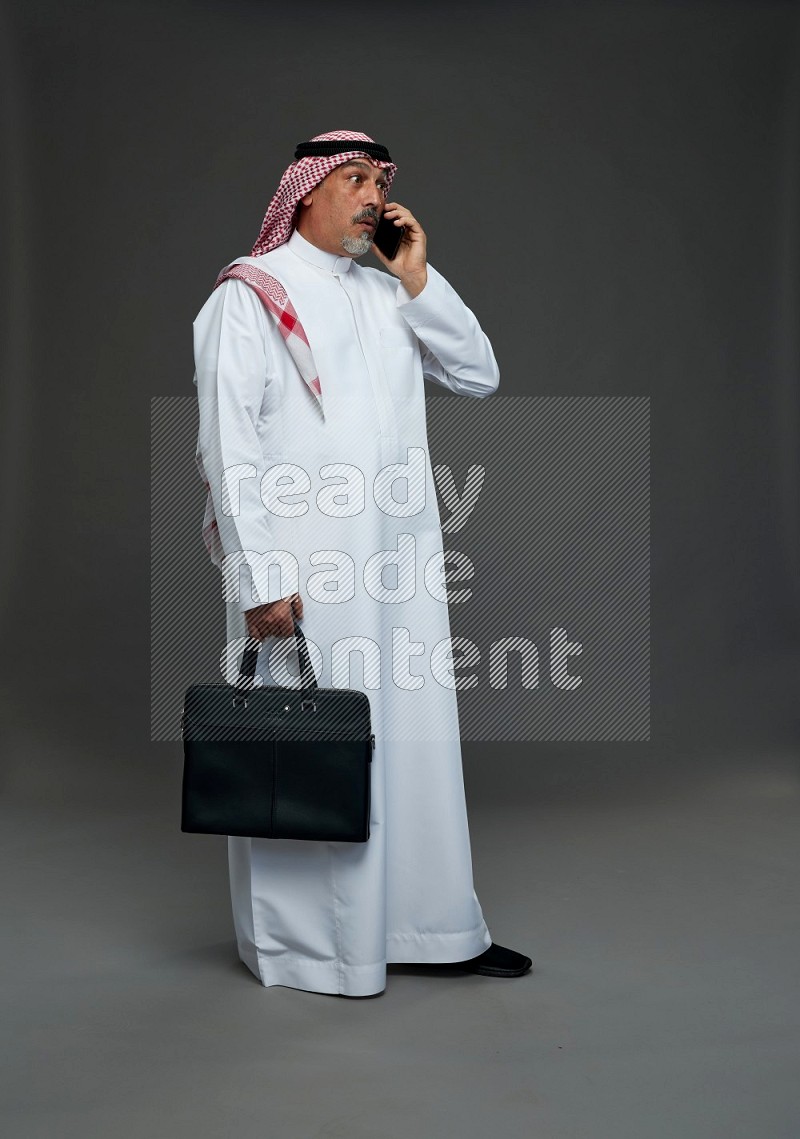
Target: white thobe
329,916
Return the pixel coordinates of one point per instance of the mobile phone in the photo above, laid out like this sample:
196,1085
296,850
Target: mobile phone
388,236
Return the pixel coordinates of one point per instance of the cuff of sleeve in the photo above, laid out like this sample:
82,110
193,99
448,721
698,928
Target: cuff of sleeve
246,590
243,599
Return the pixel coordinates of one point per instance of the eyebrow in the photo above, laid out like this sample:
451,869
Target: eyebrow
356,162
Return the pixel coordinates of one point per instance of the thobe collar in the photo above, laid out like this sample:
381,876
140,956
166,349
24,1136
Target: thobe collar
320,257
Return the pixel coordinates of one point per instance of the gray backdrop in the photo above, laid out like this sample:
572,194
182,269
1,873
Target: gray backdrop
612,188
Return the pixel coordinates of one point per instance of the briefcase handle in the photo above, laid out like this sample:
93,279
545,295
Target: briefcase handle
247,669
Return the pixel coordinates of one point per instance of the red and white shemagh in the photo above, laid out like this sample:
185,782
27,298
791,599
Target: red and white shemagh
276,229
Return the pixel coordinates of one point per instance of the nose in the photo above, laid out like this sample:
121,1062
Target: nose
373,196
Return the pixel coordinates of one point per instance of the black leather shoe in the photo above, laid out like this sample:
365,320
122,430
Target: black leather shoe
497,961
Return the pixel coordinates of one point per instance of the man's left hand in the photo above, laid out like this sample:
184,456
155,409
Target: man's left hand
409,263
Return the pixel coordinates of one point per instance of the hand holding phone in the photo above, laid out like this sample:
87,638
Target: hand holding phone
404,249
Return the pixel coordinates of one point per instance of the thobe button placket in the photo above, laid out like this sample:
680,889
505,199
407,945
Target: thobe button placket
385,409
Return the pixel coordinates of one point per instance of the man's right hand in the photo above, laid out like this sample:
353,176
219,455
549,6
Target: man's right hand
275,619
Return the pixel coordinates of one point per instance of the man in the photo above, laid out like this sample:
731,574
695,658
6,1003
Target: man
309,369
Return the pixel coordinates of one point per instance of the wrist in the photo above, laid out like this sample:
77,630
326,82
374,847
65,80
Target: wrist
414,283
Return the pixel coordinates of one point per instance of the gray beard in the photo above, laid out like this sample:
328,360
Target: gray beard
357,245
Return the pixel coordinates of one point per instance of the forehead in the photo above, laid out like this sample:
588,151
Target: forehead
359,165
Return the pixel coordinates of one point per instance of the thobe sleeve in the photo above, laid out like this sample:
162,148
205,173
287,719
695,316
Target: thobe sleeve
456,352
230,350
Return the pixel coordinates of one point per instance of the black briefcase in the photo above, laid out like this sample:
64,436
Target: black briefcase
275,762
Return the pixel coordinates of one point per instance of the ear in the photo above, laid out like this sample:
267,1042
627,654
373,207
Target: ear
306,200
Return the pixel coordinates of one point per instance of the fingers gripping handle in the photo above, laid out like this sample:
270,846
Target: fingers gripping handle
247,669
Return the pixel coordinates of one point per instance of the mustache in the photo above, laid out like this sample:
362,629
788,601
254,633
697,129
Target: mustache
370,213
